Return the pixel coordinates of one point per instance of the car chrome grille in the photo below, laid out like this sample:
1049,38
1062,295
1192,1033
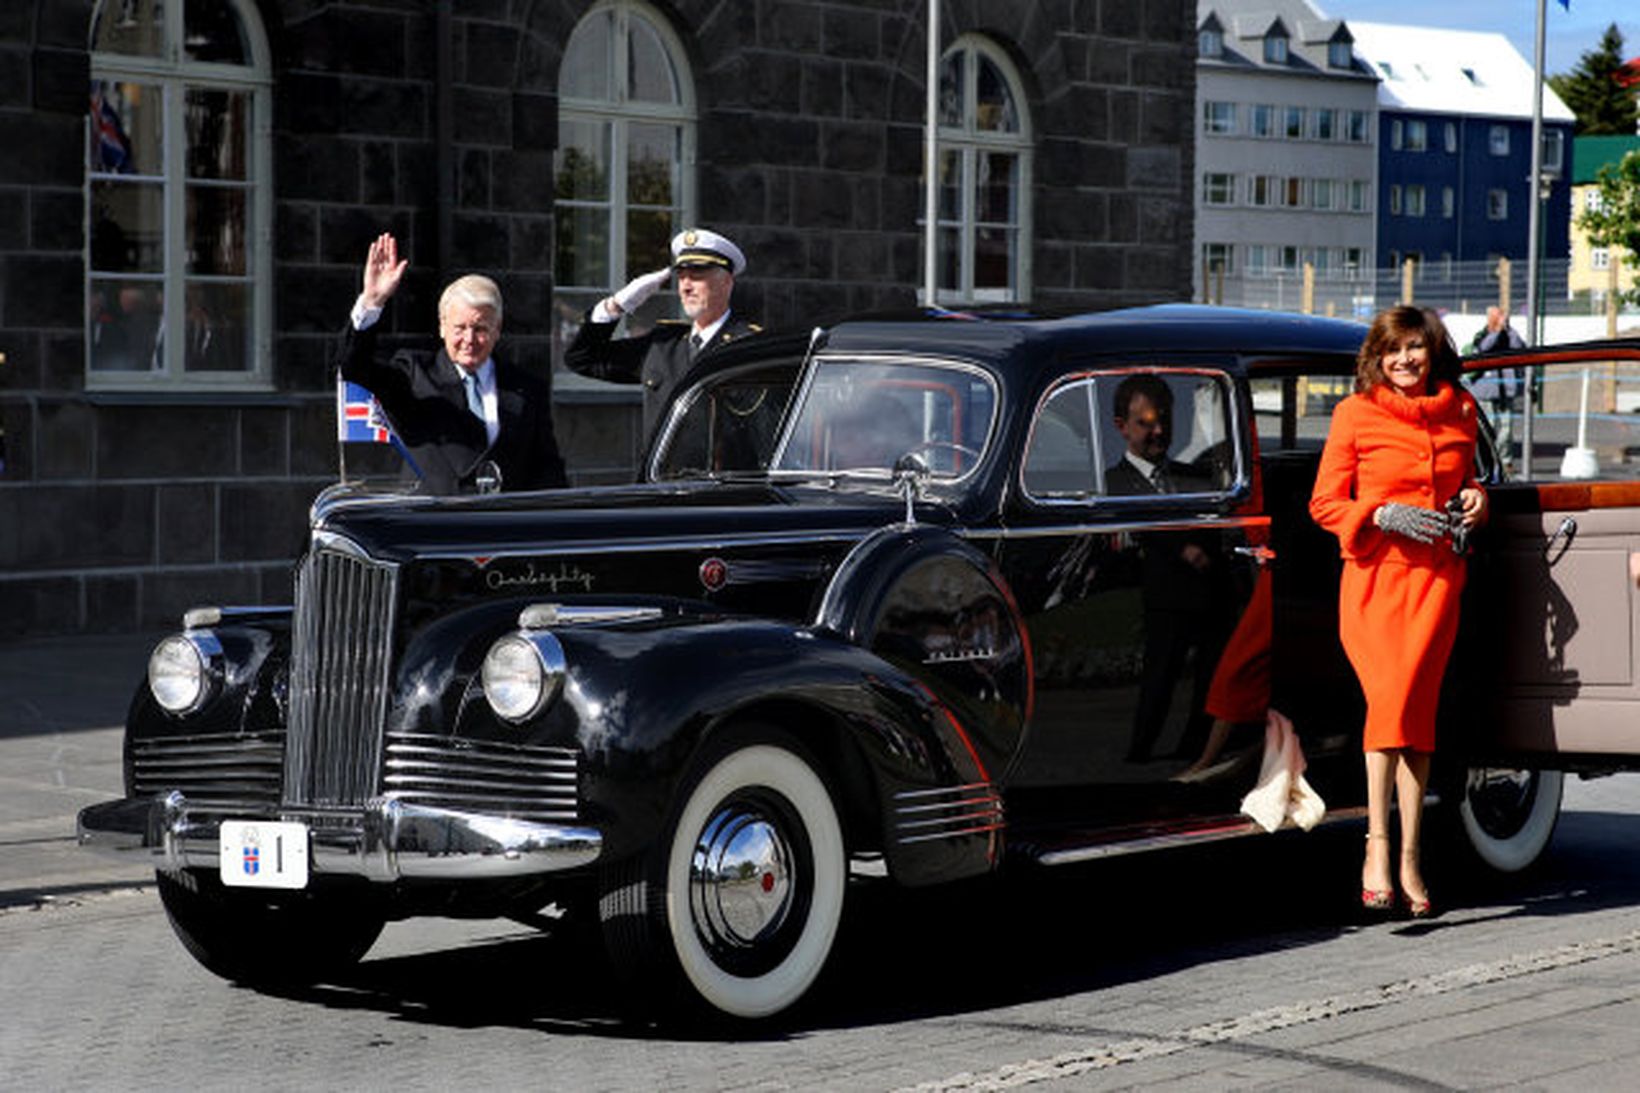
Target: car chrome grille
341,647
925,814
221,772
515,780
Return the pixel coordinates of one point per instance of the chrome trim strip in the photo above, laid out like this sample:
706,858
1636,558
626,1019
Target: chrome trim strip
630,546
387,841
1234,830
943,791
1171,523
907,840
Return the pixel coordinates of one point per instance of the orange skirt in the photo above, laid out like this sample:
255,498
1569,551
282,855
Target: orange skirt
1398,624
1240,690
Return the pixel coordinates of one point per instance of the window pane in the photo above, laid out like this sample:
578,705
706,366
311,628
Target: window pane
654,154
124,333
589,59
950,185
949,267
648,239
127,227
649,68
993,257
581,163
993,105
130,26
217,236
216,123
583,246
216,328
211,31
951,70
127,122
996,187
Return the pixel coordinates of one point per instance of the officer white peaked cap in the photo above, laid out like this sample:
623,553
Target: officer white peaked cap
699,247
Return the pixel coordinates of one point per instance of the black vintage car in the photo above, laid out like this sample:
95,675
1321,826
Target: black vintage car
890,598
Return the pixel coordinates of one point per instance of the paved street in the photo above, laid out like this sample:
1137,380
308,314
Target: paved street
1236,967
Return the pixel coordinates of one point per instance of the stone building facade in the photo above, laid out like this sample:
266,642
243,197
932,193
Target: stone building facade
134,487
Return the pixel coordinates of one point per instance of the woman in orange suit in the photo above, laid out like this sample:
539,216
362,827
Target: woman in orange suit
1399,450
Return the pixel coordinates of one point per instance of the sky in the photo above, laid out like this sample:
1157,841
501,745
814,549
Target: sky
1568,34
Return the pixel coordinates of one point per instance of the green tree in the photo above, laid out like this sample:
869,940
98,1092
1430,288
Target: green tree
1614,222
1601,105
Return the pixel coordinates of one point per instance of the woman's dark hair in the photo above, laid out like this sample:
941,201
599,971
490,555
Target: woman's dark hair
1390,326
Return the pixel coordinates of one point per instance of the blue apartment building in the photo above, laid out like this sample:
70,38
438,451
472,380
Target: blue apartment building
1455,151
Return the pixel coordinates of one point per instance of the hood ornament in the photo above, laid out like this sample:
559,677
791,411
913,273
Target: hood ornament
911,475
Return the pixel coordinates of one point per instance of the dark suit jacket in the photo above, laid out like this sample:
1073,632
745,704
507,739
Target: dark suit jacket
426,403
1122,477
658,359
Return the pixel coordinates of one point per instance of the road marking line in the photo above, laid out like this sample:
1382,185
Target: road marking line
1138,1048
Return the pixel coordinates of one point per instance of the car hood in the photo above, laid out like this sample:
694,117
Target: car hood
406,527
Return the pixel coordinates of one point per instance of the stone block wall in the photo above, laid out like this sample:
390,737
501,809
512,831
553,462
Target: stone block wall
119,511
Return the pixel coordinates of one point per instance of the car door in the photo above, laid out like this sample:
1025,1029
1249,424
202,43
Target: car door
1545,672
1132,596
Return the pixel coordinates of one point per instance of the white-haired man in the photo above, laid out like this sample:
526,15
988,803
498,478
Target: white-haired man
705,265
459,408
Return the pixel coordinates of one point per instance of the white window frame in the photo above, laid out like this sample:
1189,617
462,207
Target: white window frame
1219,118
1264,122
1210,42
1224,254
1218,188
1554,151
1329,130
175,74
1357,127
1600,258
1340,54
1275,49
1359,201
620,113
1416,200
1321,194
970,142
1294,122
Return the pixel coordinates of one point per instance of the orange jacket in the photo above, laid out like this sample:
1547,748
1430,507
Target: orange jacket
1384,446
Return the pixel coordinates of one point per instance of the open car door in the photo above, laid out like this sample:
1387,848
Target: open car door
1545,674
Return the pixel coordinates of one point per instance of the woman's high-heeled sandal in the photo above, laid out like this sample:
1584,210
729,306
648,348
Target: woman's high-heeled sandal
1377,899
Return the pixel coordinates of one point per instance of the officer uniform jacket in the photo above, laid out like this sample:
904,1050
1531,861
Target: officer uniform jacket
658,359
426,403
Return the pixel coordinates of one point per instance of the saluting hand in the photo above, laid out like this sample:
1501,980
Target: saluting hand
383,270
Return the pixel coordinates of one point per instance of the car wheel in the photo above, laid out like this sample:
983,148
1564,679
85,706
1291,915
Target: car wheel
260,939
1506,817
742,897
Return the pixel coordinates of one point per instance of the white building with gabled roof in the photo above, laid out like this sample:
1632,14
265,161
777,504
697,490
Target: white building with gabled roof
1285,154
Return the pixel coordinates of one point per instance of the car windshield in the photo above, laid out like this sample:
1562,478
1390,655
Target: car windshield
859,416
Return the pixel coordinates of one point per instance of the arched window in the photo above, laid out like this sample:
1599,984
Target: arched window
985,176
626,138
177,195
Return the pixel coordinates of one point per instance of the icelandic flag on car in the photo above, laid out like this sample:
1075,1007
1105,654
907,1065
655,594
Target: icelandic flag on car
359,416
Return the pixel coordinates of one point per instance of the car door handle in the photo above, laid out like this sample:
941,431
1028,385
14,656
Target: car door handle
1261,554
1567,531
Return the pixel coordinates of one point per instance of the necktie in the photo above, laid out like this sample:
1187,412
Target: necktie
1159,479
694,345
475,401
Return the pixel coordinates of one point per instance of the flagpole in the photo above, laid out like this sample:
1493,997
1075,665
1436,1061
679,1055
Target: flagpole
1534,182
931,159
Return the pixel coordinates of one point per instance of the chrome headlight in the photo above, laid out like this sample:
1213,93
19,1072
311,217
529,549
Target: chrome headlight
183,670
522,673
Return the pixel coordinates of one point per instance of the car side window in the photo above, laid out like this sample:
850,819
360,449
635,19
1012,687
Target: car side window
1062,461
1132,433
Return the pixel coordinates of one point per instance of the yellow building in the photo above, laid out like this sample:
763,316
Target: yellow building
1591,270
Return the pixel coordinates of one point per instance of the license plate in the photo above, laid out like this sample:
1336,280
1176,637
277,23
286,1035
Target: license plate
264,854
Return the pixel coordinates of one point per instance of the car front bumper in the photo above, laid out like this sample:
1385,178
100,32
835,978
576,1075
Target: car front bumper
385,841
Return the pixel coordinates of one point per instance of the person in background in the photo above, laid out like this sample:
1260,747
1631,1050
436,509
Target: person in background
1496,334
706,265
1399,450
1506,382
460,411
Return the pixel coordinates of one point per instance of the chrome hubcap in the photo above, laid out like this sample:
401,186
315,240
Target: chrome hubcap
1501,800
741,879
